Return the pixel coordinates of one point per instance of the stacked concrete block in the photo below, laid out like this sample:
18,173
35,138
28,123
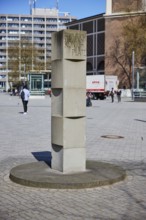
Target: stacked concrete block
68,101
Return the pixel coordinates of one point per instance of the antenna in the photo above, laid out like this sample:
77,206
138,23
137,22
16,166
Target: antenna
32,4
57,4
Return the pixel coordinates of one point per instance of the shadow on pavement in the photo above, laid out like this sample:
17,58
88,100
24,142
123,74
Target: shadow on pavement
43,156
140,120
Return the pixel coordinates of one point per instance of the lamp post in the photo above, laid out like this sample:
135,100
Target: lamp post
24,73
133,60
24,70
137,80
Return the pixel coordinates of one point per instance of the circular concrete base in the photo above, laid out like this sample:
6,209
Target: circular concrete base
39,174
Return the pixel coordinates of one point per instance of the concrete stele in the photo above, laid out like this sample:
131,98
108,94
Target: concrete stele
68,101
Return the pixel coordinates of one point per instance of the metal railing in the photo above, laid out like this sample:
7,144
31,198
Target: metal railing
37,93
140,96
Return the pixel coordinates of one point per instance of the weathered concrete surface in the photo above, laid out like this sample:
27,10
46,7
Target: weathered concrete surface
39,174
68,101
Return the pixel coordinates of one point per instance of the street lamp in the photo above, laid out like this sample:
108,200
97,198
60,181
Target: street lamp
133,60
24,71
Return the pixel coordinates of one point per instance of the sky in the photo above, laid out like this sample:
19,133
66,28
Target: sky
77,8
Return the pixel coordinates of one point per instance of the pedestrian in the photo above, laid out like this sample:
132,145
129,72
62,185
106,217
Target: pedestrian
25,97
112,94
119,95
88,99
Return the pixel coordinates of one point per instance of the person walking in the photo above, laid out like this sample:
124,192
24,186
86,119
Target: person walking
88,100
119,95
25,97
112,94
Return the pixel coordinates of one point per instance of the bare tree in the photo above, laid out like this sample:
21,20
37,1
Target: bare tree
133,38
13,63
121,60
24,57
134,34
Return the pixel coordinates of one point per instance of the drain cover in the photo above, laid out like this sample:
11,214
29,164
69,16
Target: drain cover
112,136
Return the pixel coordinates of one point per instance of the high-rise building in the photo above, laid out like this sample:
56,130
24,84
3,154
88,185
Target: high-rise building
36,27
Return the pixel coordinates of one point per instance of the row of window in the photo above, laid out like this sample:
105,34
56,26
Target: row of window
42,58
90,26
25,32
38,46
16,19
38,39
34,26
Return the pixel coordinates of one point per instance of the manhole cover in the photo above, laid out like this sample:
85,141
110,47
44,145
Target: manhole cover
112,136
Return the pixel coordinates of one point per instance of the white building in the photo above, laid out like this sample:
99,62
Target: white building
37,27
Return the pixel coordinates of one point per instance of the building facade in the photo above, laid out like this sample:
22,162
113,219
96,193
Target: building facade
118,14
36,27
102,30
95,28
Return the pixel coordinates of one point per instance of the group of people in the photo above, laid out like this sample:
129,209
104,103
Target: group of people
118,93
112,94
25,94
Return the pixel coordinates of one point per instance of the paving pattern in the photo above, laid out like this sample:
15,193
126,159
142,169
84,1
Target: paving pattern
27,138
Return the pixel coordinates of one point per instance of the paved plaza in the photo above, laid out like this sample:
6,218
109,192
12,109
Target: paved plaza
24,137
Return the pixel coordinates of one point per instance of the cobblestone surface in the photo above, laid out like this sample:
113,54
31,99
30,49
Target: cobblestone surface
23,136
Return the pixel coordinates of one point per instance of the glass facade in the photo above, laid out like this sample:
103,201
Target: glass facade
95,28
36,84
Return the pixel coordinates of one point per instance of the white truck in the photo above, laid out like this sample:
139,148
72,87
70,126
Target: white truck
100,85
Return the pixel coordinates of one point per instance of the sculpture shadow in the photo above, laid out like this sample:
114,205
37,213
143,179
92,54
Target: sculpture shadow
140,120
43,156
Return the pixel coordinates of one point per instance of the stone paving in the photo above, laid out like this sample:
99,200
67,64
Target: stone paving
22,137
